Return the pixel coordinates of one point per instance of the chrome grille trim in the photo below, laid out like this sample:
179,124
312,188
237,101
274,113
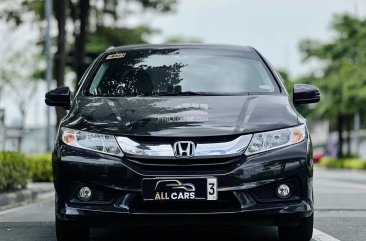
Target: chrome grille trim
235,147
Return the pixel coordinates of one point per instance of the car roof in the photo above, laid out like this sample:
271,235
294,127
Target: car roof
180,46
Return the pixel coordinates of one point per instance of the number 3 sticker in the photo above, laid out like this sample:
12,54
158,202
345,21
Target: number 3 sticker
211,189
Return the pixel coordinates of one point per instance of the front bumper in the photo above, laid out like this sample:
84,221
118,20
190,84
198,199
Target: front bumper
238,185
288,215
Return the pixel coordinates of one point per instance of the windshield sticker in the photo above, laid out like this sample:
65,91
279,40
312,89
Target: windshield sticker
116,56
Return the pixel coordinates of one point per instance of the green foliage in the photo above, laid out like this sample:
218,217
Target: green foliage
95,25
103,34
342,75
158,5
178,39
41,167
289,84
104,37
347,163
13,10
347,45
343,78
14,171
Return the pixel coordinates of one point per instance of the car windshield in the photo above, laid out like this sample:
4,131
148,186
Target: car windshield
181,72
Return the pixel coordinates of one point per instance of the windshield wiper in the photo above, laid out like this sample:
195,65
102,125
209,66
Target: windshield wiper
183,93
194,93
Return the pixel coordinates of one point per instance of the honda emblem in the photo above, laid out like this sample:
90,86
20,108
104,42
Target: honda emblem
184,148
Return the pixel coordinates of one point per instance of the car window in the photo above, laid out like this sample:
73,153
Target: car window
179,71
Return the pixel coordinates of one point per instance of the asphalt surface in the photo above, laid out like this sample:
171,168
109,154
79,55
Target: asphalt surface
340,215
340,202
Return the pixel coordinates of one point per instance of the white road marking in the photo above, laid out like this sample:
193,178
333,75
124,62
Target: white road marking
320,236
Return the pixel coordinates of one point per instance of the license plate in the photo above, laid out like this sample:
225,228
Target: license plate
179,189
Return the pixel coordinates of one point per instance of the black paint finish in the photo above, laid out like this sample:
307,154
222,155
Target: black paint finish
177,117
305,94
181,115
59,97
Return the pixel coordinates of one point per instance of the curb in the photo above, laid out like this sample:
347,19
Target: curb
23,197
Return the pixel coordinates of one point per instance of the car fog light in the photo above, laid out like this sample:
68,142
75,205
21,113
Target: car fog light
283,191
85,194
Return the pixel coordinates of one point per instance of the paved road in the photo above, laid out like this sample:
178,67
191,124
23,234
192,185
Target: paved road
340,212
340,198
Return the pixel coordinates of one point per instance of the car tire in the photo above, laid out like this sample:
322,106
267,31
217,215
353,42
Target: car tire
302,232
65,232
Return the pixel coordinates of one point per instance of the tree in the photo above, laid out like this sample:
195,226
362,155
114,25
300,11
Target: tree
177,39
59,9
343,77
88,19
20,72
289,84
105,37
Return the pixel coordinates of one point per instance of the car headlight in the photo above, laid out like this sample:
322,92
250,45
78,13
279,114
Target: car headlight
91,141
265,141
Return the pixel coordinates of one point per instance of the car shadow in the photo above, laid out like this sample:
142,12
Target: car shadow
247,233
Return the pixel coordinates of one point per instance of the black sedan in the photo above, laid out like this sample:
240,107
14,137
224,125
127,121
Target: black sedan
183,135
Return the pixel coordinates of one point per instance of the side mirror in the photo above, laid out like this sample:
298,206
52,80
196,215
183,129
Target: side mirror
59,97
305,94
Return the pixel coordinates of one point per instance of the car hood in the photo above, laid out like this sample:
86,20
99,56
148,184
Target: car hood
181,116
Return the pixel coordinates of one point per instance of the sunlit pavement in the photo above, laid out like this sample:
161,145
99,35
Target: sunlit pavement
340,215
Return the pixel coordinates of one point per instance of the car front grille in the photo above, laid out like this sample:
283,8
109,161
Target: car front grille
217,162
184,165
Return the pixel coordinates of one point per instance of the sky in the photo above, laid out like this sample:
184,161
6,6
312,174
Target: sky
274,27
